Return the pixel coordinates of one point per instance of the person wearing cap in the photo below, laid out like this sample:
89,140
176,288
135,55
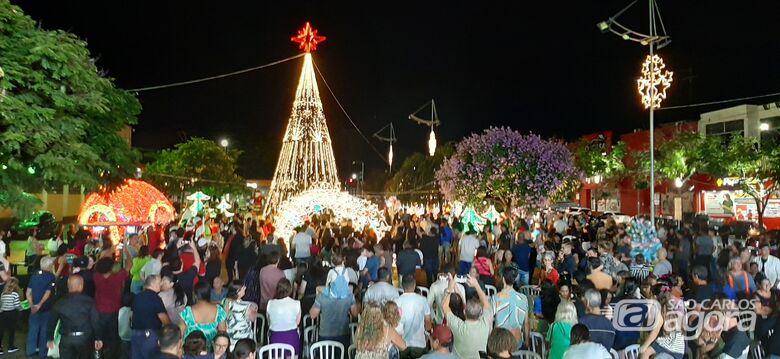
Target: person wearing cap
82,266
768,265
441,343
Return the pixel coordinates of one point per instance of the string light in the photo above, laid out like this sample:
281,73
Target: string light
133,203
654,82
298,209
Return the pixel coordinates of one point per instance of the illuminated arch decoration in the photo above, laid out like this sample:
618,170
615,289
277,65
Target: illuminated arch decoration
301,207
156,206
100,209
134,203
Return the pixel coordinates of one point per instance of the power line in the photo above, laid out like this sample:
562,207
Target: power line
175,84
718,102
349,118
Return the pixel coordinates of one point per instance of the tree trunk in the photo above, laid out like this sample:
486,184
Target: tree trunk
760,211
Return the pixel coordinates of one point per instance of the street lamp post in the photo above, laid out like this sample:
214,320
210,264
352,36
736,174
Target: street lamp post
362,174
653,84
224,143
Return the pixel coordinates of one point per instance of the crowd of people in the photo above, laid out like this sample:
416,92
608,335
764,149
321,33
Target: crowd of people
557,284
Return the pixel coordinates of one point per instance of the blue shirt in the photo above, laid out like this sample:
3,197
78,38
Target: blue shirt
521,254
146,307
446,235
601,329
372,265
40,282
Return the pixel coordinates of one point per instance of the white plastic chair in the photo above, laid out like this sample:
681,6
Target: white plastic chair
490,290
327,350
260,323
530,290
422,291
353,331
757,351
307,321
615,354
631,351
352,351
309,338
537,344
276,351
525,354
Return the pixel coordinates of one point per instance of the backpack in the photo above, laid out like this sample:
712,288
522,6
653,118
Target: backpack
339,288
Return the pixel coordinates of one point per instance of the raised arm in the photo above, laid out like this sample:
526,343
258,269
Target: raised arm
472,282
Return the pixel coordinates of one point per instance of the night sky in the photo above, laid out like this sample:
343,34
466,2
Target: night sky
539,66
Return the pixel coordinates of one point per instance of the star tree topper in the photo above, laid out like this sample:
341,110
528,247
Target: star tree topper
654,82
307,38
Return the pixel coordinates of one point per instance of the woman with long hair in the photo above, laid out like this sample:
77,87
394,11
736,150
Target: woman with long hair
284,315
173,296
559,334
9,312
374,336
667,335
484,266
240,313
392,315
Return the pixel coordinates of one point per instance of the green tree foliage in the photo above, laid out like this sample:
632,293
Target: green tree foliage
593,159
756,167
414,181
59,116
196,165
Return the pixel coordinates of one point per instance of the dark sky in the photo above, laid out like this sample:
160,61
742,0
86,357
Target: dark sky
539,66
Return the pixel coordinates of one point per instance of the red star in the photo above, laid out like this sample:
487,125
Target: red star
307,38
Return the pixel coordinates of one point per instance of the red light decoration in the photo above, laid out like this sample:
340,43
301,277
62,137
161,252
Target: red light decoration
135,203
307,38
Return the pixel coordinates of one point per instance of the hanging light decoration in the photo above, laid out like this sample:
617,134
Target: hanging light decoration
432,143
654,82
390,156
434,121
391,139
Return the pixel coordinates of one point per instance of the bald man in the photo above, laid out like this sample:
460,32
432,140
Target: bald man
78,319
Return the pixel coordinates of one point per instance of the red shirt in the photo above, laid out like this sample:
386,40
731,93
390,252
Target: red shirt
108,291
187,260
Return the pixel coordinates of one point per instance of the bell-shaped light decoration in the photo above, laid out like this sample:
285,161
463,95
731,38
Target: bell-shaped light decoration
390,155
432,143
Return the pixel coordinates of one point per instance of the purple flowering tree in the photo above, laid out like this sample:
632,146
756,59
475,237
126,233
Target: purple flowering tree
507,166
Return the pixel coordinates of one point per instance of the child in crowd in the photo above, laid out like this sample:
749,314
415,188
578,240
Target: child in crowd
9,311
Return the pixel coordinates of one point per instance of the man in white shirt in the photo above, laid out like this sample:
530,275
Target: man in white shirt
415,316
439,289
769,265
153,266
301,245
382,291
560,224
468,248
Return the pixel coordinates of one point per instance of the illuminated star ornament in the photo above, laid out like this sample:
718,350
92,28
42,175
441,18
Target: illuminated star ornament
654,82
307,38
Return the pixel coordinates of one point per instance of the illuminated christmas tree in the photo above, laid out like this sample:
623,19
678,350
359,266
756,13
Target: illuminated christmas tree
306,160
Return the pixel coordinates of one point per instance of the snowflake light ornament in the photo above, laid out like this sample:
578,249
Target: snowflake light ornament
654,82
